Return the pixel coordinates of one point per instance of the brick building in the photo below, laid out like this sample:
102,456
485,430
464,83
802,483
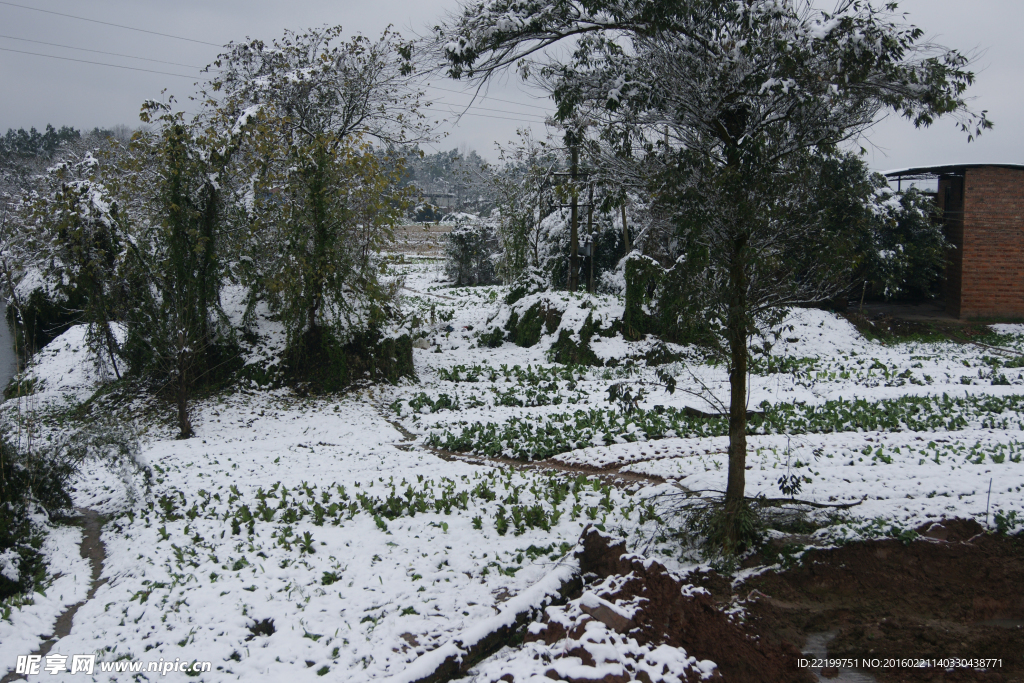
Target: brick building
983,211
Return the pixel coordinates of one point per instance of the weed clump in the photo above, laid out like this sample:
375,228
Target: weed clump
705,526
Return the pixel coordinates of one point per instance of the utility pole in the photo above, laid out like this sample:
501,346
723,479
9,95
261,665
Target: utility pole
574,235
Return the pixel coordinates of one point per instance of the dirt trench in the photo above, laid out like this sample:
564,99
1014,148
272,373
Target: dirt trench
91,549
958,593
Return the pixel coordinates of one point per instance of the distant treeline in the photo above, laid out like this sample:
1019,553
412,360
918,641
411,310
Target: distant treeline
30,144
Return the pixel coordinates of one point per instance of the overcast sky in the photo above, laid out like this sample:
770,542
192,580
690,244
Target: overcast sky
38,90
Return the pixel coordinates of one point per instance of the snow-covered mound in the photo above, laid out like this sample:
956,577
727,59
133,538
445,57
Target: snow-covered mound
67,369
813,333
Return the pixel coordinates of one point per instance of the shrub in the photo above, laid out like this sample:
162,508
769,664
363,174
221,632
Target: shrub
531,281
906,256
322,363
30,482
468,251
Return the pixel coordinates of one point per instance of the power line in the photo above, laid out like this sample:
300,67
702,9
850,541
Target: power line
538,118
500,111
486,97
86,61
99,52
107,23
490,116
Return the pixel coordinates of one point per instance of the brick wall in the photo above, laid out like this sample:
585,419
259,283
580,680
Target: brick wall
992,253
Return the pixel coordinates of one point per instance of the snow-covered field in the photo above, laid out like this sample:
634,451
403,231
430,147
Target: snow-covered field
367,548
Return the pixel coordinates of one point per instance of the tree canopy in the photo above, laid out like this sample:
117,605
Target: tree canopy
738,110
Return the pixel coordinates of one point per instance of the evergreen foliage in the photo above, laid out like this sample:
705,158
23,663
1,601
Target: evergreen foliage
469,249
908,250
29,483
22,144
273,185
175,323
75,228
752,99
323,202
521,184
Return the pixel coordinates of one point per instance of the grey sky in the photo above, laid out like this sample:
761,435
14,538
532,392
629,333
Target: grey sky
38,90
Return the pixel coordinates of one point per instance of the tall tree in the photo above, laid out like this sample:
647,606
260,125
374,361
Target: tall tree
176,188
520,184
324,201
73,233
31,143
728,94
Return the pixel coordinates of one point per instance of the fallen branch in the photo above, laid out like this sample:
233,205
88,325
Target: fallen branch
478,642
689,493
997,349
810,503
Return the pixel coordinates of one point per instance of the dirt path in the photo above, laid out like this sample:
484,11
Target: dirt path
611,474
92,549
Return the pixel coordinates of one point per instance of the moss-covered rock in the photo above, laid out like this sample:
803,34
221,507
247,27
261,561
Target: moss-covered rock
644,277
568,351
526,330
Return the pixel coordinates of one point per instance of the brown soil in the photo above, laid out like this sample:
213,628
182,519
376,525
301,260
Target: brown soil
957,594
608,475
668,616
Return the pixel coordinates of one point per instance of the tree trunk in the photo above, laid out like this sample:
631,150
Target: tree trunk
536,230
574,233
593,239
111,343
311,313
184,424
736,331
625,230
207,266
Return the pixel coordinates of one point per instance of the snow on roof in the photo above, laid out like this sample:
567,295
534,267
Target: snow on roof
945,169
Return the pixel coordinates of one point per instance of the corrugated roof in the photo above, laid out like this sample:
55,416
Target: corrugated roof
949,169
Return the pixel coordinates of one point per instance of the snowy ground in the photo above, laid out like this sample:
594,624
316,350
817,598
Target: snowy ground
367,549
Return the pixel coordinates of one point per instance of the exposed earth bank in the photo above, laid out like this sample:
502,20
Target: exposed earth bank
957,592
